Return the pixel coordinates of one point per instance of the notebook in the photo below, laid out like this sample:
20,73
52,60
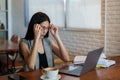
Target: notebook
89,64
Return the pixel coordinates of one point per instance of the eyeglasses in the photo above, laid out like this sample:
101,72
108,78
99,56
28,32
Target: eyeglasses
45,28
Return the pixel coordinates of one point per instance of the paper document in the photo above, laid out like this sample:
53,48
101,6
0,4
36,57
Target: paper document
105,63
79,59
103,55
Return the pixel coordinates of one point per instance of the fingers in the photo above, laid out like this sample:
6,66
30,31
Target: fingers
53,27
37,27
37,30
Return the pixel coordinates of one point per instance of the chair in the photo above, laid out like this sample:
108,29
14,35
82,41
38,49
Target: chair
13,56
15,39
9,61
2,70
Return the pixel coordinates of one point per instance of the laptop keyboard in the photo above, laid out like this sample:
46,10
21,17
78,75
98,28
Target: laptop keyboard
76,71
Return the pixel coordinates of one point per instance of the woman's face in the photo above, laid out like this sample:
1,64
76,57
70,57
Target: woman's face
45,28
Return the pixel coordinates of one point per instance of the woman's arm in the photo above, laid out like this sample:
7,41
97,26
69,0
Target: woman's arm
58,48
30,56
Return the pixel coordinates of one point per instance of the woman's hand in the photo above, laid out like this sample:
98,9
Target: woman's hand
37,31
54,30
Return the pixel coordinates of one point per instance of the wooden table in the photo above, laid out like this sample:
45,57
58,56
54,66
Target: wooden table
8,47
111,73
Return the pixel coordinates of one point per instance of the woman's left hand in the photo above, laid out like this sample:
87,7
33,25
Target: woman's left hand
53,30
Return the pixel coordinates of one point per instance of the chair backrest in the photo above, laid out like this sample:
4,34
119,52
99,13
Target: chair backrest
15,38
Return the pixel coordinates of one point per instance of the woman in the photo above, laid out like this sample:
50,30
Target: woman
36,49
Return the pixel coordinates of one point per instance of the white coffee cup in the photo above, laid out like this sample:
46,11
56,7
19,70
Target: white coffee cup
51,72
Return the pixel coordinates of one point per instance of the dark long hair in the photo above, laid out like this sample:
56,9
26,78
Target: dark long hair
37,18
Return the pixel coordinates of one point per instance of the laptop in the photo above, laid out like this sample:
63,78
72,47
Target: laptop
89,64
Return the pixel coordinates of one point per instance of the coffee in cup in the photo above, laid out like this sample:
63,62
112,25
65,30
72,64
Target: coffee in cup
51,72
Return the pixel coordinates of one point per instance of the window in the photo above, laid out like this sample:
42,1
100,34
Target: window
84,14
53,8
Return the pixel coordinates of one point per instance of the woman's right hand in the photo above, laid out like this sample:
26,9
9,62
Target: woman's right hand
37,31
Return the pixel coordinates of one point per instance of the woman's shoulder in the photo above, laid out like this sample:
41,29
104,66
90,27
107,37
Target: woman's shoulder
24,40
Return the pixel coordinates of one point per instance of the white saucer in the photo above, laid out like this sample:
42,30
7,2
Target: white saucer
43,77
